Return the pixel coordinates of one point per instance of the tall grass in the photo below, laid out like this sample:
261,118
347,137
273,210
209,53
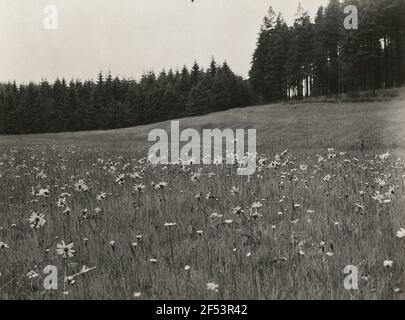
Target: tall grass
286,232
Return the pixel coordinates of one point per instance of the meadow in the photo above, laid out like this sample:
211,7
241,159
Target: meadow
328,193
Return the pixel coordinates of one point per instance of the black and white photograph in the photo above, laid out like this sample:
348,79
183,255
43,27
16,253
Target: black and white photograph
202,150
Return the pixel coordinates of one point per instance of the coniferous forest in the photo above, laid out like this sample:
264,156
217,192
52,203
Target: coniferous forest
110,103
322,57
313,57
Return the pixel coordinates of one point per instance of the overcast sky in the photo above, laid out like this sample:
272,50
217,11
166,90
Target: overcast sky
129,37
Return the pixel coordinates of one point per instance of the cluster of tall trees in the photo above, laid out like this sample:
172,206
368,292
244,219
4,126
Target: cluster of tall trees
109,102
323,57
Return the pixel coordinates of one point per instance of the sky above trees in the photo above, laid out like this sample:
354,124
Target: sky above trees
130,37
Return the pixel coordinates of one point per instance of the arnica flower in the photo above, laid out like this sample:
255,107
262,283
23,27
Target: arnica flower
101,196
195,177
327,177
161,185
273,165
169,224
303,167
390,192
139,187
66,212
378,196
43,193
120,178
61,202
80,186
256,205
41,175
135,175
212,286
36,220
385,156
255,215
65,195
401,233
381,183
32,274
65,250
3,246
237,210
234,191
84,214
215,215
388,263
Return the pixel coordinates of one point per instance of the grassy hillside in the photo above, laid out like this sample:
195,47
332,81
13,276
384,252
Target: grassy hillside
307,126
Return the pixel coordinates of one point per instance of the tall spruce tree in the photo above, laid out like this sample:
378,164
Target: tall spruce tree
257,72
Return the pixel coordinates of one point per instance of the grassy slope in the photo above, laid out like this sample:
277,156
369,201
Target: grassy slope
298,127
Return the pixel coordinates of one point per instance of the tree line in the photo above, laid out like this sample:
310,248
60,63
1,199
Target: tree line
111,102
309,58
324,58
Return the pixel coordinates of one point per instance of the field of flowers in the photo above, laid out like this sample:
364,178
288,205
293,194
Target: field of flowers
116,226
